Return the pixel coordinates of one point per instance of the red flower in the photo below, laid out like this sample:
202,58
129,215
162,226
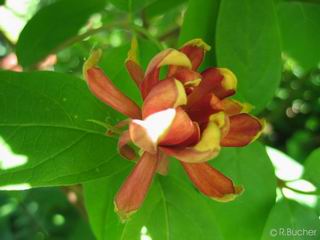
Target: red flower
187,115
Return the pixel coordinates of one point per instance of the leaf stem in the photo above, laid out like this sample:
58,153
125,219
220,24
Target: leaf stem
283,184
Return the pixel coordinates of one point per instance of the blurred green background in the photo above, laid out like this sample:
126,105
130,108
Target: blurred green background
293,116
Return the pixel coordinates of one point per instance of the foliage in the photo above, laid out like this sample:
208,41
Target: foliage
52,129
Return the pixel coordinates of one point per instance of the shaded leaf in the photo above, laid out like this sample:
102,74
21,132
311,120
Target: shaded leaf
299,25
248,43
200,22
45,120
290,220
51,27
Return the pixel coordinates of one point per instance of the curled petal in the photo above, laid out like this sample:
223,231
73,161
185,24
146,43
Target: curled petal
146,134
168,93
194,138
207,148
233,107
211,182
195,50
244,129
219,81
167,57
181,129
203,108
134,189
104,89
123,147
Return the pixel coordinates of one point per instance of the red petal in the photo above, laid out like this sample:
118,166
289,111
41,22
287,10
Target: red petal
166,94
123,147
133,191
201,110
211,182
135,72
220,82
207,148
233,107
104,89
180,130
167,57
244,129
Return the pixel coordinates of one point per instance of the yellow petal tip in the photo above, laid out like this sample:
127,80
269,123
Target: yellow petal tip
238,190
92,61
198,42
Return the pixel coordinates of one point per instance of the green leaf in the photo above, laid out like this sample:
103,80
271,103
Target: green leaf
299,24
2,2
161,7
288,218
200,22
52,27
248,43
251,168
170,207
312,167
45,121
173,202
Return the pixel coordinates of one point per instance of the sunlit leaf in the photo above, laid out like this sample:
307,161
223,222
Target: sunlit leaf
46,117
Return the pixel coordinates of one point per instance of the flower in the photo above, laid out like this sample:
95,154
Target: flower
187,115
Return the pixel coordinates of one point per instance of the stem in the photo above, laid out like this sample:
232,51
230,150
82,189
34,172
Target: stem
145,32
283,184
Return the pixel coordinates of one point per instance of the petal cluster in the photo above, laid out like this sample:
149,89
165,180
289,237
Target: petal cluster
187,115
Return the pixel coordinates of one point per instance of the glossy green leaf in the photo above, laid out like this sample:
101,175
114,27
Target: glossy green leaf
251,168
248,43
45,122
52,27
173,202
299,24
170,207
290,220
312,167
200,22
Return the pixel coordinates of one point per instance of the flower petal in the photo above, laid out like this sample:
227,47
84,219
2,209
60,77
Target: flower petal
203,108
219,81
195,50
134,189
244,129
168,93
147,133
104,89
233,107
132,65
123,147
211,182
207,148
167,57
180,130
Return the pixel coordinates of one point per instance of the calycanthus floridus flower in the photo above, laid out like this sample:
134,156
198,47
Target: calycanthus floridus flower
187,115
